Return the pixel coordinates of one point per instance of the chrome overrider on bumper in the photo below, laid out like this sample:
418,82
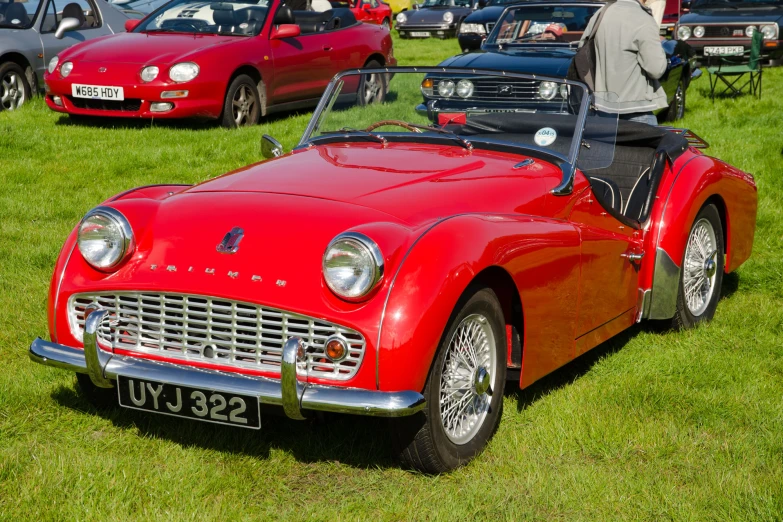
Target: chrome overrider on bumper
292,392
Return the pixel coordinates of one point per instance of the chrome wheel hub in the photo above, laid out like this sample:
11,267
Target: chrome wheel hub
244,103
12,94
700,267
372,88
467,379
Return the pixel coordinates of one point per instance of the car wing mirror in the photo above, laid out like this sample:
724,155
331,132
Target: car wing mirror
130,25
366,7
270,147
66,24
285,31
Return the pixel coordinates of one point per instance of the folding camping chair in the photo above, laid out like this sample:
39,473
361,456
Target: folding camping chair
730,71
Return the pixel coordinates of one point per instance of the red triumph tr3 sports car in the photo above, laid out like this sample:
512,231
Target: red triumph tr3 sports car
407,259
234,61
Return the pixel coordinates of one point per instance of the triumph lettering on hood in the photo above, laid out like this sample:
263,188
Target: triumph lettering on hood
212,272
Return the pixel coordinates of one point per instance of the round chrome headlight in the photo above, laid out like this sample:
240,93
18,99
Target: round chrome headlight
53,64
770,32
698,31
464,88
401,18
749,30
149,73
564,91
448,17
683,32
352,266
446,88
65,69
547,90
183,72
105,238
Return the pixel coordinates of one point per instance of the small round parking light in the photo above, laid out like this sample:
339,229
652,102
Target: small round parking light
547,90
336,348
464,88
698,31
446,88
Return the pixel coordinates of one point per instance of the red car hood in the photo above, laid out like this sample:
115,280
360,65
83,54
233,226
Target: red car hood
144,48
414,183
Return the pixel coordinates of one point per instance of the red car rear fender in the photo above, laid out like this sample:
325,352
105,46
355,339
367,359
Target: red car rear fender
540,263
700,181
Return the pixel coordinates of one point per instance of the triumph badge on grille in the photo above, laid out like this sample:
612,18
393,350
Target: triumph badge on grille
230,243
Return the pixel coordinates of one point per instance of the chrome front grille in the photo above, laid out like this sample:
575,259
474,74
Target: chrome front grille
213,330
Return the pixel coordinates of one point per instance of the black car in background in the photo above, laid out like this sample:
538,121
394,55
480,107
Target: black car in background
518,43
724,27
479,24
437,18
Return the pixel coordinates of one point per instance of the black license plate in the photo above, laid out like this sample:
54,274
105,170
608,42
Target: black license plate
192,403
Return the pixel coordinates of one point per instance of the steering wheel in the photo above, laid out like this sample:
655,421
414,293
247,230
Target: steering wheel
187,23
397,123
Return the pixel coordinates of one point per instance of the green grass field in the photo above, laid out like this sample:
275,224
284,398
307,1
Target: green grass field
650,426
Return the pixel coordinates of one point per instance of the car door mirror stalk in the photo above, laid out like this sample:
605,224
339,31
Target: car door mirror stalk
67,24
285,31
130,25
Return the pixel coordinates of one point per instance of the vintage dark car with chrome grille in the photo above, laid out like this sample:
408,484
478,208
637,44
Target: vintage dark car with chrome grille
725,27
401,261
438,18
520,43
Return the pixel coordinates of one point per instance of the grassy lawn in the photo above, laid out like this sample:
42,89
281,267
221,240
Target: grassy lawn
678,425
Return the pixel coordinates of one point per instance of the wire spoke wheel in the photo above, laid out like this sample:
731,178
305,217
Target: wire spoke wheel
700,267
465,387
13,91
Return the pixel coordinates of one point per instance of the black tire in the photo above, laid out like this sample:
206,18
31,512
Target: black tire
242,106
677,107
14,87
688,314
372,87
100,398
421,441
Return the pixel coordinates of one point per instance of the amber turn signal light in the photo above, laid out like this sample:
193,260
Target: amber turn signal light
336,348
427,83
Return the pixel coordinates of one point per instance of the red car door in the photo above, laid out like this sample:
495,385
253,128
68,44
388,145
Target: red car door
609,280
303,66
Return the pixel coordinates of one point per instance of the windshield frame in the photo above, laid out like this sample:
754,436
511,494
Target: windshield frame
491,40
567,163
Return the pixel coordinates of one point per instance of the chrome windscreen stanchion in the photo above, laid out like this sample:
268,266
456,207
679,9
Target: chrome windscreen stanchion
95,358
293,352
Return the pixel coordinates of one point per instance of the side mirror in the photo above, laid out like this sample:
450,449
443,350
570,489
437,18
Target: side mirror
472,44
285,31
130,25
270,147
66,24
415,7
366,7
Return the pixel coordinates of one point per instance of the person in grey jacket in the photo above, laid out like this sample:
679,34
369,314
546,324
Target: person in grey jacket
629,61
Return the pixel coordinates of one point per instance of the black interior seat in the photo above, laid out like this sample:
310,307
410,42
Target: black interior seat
73,10
284,16
607,193
16,14
224,17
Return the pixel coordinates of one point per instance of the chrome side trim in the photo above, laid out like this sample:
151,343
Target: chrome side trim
293,351
665,286
95,358
643,304
269,391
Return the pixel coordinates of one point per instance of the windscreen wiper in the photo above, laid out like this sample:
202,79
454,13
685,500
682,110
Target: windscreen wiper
349,130
465,143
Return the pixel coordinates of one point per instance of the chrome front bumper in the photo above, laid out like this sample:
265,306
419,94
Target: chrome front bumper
292,392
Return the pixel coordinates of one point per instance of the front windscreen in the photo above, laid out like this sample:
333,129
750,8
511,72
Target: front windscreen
241,18
462,107
531,24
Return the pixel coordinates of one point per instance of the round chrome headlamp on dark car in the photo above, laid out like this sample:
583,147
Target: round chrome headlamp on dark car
105,238
352,266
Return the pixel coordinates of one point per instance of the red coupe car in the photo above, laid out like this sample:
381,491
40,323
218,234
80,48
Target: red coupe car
234,61
368,11
409,260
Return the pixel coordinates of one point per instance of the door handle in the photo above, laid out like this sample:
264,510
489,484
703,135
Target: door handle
633,257
327,48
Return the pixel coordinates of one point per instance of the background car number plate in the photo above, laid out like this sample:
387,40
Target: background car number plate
724,50
97,92
420,34
193,403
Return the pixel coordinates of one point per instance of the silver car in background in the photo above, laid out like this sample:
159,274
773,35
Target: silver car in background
32,32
